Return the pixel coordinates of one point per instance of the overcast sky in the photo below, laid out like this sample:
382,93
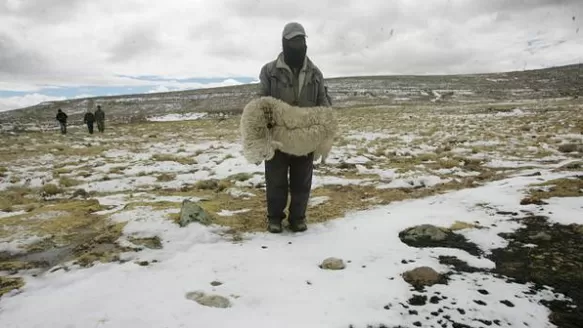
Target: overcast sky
56,49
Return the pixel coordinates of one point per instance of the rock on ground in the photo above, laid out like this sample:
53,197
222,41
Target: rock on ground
332,263
427,235
192,212
425,231
215,301
422,276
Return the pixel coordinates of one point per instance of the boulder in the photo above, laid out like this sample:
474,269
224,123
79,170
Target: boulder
425,231
203,299
192,212
333,263
422,276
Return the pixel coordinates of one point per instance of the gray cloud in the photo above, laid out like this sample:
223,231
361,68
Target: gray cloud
46,11
17,60
92,42
140,41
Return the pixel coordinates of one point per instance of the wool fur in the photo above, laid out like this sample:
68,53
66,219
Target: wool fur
297,130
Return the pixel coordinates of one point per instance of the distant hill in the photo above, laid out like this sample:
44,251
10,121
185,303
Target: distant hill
564,81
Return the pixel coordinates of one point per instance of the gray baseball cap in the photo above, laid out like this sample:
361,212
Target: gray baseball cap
293,29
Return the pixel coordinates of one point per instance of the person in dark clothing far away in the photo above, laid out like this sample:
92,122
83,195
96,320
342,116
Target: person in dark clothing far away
62,118
293,78
89,119
100,119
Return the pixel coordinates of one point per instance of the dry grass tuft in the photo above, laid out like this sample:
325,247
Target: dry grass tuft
173,158
165,177
567,187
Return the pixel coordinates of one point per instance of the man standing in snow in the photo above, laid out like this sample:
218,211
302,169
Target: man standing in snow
100,119
62,118
293,78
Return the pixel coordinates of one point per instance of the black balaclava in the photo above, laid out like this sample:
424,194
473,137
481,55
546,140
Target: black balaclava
294,51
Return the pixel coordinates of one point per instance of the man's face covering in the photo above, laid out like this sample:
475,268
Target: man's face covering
294,51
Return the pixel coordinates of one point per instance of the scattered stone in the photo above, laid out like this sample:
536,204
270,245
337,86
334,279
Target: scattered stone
425,231
541,236
192,212
461,311
486,322
203,299
264,247
332,263
434,300
387,307
143,263
413,312
422,277
435,314
417,300
498,322
507,213
570,148
532,201
483,291
431,236
479,302
535,174
216,283
417,323
507,303
308,282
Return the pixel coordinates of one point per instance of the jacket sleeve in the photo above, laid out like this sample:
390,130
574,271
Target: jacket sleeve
264,83
322,98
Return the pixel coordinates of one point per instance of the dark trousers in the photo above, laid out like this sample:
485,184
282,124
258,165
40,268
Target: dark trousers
100,126
90,127
63,127
299,184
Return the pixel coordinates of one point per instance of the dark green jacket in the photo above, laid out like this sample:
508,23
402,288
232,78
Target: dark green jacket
278,81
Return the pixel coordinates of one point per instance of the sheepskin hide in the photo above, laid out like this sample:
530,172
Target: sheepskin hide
296,131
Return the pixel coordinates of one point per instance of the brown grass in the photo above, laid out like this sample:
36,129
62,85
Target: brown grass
566,187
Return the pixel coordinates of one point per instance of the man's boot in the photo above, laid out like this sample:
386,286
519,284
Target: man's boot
274,226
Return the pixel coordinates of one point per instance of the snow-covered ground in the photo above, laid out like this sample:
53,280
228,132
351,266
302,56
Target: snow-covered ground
275,280
141,174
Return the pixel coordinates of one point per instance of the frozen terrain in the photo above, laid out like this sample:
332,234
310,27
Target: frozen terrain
89,233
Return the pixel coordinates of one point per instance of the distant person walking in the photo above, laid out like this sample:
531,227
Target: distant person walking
100,119
89,119
62,118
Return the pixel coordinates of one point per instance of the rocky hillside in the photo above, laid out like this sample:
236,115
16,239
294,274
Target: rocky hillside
565,81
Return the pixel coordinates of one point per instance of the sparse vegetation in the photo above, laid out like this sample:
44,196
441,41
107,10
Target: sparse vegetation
51,189
174,158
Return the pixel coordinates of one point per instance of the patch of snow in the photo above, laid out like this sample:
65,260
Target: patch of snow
177,117
238,193
10,214
17,244
414,182
318,200
265,278
231,213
